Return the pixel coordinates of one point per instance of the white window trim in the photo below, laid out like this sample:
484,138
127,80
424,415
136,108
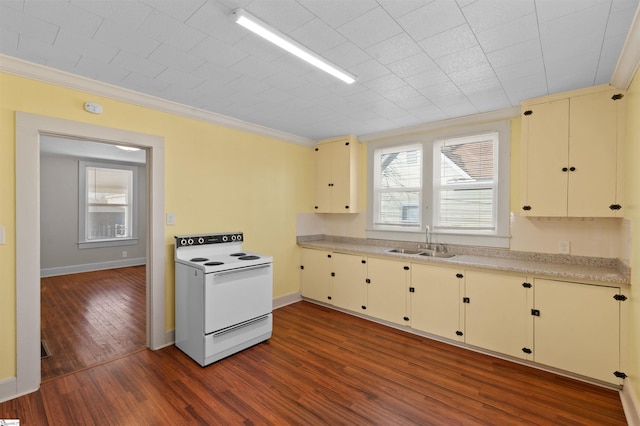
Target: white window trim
82,206
502,236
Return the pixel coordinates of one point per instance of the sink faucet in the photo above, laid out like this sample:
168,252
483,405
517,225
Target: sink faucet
427,237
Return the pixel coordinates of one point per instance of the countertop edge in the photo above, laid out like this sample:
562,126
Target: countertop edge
608,271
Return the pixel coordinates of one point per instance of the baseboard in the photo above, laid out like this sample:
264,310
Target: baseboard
88,267
630,403
8,389
287,299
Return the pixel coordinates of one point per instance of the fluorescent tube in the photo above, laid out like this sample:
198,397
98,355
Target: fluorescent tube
262,29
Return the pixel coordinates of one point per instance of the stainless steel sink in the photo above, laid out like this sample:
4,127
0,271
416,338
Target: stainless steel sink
405,251
436,254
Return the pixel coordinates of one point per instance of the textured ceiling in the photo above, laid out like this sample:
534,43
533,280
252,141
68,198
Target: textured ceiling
417,61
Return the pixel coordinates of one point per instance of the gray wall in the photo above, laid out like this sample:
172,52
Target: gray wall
59,222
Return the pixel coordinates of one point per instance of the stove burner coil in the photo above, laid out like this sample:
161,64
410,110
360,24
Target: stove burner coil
249,257
199,259
238,254
214,263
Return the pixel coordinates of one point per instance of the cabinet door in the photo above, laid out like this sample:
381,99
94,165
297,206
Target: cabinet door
435,297
545,151
323,155
342,177
349,287
578,328
593,155
316,274
387,290
496,314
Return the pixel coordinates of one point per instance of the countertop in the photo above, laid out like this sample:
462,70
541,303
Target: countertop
591,269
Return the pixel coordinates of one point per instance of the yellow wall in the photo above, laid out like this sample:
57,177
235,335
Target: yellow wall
632,212
216,179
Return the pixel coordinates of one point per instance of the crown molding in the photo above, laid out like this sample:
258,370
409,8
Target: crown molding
22,68
485,117
629,59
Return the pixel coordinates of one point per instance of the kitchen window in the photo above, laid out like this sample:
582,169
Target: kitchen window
455,182
107,204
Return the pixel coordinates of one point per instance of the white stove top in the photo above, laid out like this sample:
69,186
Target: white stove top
216,252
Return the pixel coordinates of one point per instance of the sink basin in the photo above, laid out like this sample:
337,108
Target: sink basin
436,254
405,251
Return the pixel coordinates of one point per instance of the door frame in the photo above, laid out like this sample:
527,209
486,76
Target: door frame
29,127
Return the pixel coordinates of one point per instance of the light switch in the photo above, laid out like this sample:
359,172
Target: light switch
171,218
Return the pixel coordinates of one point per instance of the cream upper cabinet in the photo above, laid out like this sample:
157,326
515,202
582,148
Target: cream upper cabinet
316,277
435,298
349,286
336,185
571,154
577,328
387,290
497,313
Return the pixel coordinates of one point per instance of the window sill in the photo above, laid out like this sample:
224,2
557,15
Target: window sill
107,243
496,241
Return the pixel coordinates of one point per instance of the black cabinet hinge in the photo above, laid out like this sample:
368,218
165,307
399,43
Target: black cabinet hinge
466,300
329,297
333,274
617,96
412,289
527,350
363,261
620,297
526,285
459,276
526,208
528,112
459,333
535,312
301,266
364,307
406,318
619,374
406,268
615,207
367,280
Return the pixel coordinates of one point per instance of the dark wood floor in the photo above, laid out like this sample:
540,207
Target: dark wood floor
92,317
320,367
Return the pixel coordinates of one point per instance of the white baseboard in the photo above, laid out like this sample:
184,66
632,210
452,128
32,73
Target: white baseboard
287,299
630,403
88,267
8,389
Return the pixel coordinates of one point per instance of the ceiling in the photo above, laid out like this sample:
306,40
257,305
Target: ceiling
417,61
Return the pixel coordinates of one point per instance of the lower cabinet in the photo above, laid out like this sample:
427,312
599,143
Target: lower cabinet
497,313
565,325
577,328
316,281
349,286
387,282
435,299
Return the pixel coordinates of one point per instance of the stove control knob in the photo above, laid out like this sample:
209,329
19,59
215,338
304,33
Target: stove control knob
183,242
239,237
190,241
200,240
225,238
233,238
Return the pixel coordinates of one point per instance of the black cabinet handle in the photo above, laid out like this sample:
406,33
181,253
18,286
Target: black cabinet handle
459,276
459,333
406,268
526,208
615,206
406,318
572,169
564,169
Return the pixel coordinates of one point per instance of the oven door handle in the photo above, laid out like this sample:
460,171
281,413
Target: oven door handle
244,269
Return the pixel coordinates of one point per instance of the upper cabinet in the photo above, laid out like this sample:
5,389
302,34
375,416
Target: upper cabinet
336,186
571,154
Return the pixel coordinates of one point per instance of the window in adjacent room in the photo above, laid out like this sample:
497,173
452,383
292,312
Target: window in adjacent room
107,204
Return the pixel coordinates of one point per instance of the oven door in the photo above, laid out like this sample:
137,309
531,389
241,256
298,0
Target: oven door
237,295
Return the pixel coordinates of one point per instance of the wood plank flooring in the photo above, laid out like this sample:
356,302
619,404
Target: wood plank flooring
320,367
92,317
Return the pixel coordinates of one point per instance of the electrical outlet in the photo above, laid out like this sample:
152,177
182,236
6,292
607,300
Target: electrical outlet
124,253
564,247
171,218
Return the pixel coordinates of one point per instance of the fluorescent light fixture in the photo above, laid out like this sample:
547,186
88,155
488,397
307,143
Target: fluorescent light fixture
262,29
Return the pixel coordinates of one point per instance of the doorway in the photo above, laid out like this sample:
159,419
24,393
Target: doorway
29,128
